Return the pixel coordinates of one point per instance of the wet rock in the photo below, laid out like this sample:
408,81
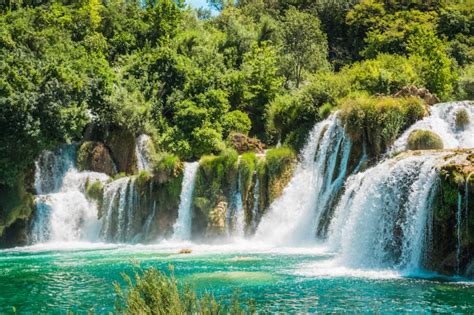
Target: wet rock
95,156
216,220
242,143
122,148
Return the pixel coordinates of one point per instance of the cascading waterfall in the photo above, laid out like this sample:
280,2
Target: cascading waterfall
120,203
236,214
256,203
442,121
295,216
142,152
458,232
182,227
63,213
381,220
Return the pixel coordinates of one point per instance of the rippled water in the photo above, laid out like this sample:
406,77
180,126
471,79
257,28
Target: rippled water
54,279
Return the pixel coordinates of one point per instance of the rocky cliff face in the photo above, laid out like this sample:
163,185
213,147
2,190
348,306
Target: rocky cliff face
452,250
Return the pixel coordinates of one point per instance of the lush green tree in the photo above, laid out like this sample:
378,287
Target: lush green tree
437,69
304,46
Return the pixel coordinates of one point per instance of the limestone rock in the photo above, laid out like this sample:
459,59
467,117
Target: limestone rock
422,93
95,156
122,148
242,143
216,220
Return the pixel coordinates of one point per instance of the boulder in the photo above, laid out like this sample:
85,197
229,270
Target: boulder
422,93
242,143
424,140
216,220
122,148
95,156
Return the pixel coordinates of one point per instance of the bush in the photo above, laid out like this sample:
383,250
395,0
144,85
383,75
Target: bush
384,74
378,121
424,140
154,292
167,166
236,121
466,83
462,118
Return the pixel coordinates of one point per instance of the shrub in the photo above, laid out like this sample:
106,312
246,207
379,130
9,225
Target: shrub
167,166
236,121
384,74
424,140
325,110
279,165
378,121
462,118
154,292
466,83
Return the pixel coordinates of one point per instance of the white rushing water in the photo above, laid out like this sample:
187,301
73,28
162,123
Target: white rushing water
142,151
442,121
63,213
381,220
295,216
182,227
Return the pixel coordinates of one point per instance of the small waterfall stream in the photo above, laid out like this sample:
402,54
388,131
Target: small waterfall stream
142,151
182,227
458,233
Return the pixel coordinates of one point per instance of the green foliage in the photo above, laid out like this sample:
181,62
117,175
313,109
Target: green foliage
304,46
247,168
154,292
167,166
467,83
236,121
258,68
15,203
94,190
436,64
378,121
424,140
278,170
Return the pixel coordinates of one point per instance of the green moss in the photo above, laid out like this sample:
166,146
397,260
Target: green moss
215,182
143,178
279,166
424,140
167,166
378,121
247,167
15,203
462,118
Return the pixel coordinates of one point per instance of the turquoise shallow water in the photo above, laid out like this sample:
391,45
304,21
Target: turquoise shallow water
54,279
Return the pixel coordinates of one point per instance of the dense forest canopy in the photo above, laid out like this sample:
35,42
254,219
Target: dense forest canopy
266,68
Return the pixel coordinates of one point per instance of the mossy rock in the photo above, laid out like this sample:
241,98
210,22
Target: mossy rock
95,156
95,191
15,204
378,121
166,166
122,148
424,140
463,119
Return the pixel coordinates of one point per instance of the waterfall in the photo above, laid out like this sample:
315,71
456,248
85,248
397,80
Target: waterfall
442,121
458,232
236,212
182,227
305,203
120,205
381,220
256,202
142,151
63,213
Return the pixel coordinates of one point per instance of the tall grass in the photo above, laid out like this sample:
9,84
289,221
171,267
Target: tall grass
151,291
